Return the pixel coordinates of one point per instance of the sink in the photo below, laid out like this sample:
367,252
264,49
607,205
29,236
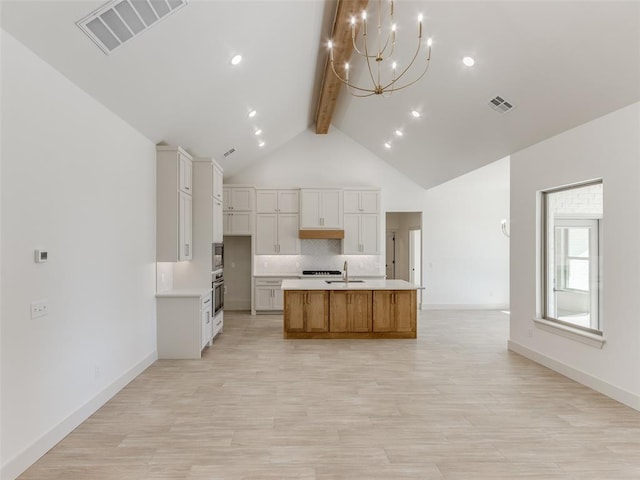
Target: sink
344,281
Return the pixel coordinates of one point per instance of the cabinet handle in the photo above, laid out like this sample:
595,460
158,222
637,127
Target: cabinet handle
207,300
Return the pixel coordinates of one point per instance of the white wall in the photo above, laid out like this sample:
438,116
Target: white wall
606,148
79,182
466,256
460,221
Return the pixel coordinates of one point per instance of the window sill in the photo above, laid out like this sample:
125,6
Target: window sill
572,333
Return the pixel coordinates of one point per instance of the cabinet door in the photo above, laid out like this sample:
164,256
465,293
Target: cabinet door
218,229
242,199
264,298
288,201
242,223
310,209
185,174
266,201
226,223
184,227
405,310
317,311
369,234
351,240
359,304
370,202
288,240
266,234
383,311
217,182
331,209
351,201
227,199
294,306
278,299
207,327
338,307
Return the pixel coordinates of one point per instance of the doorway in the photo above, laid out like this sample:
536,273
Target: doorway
404,247
415,260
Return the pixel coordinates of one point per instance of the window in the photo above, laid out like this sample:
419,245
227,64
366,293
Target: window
572,218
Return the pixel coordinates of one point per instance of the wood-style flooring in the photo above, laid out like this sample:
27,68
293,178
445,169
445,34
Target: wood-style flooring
452,404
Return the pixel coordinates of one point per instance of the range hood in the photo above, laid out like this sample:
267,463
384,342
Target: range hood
324,234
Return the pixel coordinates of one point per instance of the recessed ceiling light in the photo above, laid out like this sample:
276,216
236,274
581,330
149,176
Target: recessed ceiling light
252,113
399,133
261,144
415,113
387,145
236,59
468,61
258,132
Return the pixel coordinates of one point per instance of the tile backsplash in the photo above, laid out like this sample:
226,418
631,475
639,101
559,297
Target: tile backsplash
318,254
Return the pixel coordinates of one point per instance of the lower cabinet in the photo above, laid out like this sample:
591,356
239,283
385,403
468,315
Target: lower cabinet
394,311
350,314
306,311
185,324
350,311
268,295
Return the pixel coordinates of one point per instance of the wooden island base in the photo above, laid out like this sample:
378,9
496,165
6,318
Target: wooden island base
350,314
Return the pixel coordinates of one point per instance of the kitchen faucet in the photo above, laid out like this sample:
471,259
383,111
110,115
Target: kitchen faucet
346,272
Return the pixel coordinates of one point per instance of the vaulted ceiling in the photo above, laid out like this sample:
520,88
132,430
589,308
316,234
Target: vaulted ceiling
559,63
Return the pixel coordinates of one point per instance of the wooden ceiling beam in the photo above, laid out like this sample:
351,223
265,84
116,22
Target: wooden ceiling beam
342,50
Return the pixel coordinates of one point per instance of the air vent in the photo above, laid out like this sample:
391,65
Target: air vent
229,152
118,21
500,105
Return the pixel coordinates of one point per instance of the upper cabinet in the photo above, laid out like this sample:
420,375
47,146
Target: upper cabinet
277,201
362,201
238,205
361,222
173,204
321,208
217,182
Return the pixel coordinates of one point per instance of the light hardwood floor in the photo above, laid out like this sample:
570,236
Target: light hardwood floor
451,404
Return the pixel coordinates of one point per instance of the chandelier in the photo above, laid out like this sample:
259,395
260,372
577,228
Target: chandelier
384,75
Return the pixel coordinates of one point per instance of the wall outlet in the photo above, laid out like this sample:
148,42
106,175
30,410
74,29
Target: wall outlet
39,308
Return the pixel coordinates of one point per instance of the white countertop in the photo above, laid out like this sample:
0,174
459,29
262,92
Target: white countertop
374,284
315,277
186,292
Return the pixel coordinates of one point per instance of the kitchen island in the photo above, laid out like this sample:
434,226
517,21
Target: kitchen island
355,309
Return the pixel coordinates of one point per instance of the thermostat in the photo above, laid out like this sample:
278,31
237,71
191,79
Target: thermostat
41,256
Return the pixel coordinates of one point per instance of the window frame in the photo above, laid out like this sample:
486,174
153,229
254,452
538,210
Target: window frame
544,277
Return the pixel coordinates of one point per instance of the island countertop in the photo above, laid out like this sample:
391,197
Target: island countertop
373,284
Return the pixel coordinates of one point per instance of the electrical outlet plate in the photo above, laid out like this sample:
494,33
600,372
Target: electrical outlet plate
40,308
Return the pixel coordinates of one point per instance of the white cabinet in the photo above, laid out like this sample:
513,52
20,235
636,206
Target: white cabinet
277,201
361,234
238,199
217,182
268,294
238,205
321,208
361,201
185,227
218,221
173,204
277,234
184,323
186,173
237,223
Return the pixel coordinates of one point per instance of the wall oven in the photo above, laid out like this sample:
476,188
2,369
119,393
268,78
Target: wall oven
218,257
217,285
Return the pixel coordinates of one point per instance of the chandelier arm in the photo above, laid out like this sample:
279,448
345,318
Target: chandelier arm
394,89
350,85
415,55
355,47
369,67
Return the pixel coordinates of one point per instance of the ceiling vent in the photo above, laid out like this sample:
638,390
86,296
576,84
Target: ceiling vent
500,105
229,152
118,21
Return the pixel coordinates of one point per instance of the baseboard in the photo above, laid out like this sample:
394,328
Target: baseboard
465,306
17,465
579,376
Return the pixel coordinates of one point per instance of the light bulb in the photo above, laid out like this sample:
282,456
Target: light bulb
468,61
353,20
399,133
346,65
429,42
364,15
420,18
415,113
387,145
258,132
261,144
394,65
252,113
393,27
236,59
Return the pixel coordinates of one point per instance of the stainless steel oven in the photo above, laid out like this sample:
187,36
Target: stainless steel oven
217,285
217,262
